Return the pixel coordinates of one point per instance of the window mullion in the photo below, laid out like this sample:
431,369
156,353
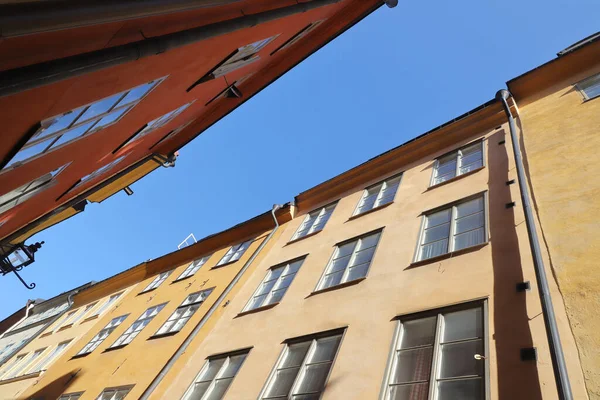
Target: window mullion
352,258
458,161
453,215
380,194
213,381
435,359
311,349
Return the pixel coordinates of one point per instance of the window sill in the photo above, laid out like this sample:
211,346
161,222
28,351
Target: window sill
76,356
46,334
21,378
303,237
162,335
370,211
147,291
448,255
114,348
256,310
584,100
93,317
64,328
182,279
455,178
336,287
225,264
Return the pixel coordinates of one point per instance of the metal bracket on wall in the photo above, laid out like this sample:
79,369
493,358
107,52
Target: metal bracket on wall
529,354
523,286
511,204
508,183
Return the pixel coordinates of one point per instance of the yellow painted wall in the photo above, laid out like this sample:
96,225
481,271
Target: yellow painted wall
562,138
141,360
393,288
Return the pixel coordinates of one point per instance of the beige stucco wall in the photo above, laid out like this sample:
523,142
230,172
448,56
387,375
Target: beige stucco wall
562,138
392,289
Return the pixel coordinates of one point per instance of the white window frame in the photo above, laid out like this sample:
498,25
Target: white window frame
51,356
194,267
116,390
383,185
451,240
458,156
302,368
345,275
108,329
26,364
7,368
107,303
157,281
100,171
183,313
435,364
320,213
54,137
71,396
218,375
234,250
134,332
582,86
276,286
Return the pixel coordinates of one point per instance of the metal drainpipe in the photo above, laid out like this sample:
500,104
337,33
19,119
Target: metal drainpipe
556,353
32,76
165,370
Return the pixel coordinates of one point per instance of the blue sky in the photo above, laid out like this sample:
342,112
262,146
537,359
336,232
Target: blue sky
396,75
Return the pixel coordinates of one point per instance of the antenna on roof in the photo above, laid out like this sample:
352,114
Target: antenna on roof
188,241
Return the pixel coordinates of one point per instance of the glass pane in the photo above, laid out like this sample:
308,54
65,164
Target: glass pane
436,233
413,365
295,354
468,239
282,382
458,359
466,389
219,389
211,370
198,391
471,158
313,378
265,288
469,207
276,296
434,249
332,279
357,272
136,93
294,267
233,366
470,167
468,223
419,391
438,218
339,264
29,152
256,302
368,242
60,122
447,169
471,149
363,256
418,332
99,107
274,274
110,118
325,349
285,282
464,324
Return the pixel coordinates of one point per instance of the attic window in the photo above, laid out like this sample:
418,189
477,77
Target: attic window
241,57
303,32
590,87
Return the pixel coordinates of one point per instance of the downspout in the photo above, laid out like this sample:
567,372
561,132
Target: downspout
165,370
556,352
32,76
46,326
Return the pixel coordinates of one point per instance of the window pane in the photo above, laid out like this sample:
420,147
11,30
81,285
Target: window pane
339,264
136,93
438,218
468,223
325,349
29,152
313,378
447,169
284,282
364,256
219,389
466,324
99,107
257,302
418,332
274,274
413,365
418,391
465,389
469,239
198,391
345,249
72,134
470,167
110,118
436,233
295,354
233,366
282,382
357,272
265,288
59,123
470,158
332,279
212,369
294,267
434,249
457,359
276,296
469,207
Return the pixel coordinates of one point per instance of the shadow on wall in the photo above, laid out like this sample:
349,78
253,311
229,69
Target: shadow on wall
53,389
516,379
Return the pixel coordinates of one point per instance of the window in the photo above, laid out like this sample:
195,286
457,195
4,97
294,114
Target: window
459,162
350,261
26,361
274,286
241,57
102,335
137,326
303,32
9,367
107,304
156,282
64,128
184,312
433,357
71,396
235,252
590,87
114,394
302,370
100,170
67,320
314,222
5,351
454,228
216,376
193,267
28,190
85,311
158,123
50,357
378,195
